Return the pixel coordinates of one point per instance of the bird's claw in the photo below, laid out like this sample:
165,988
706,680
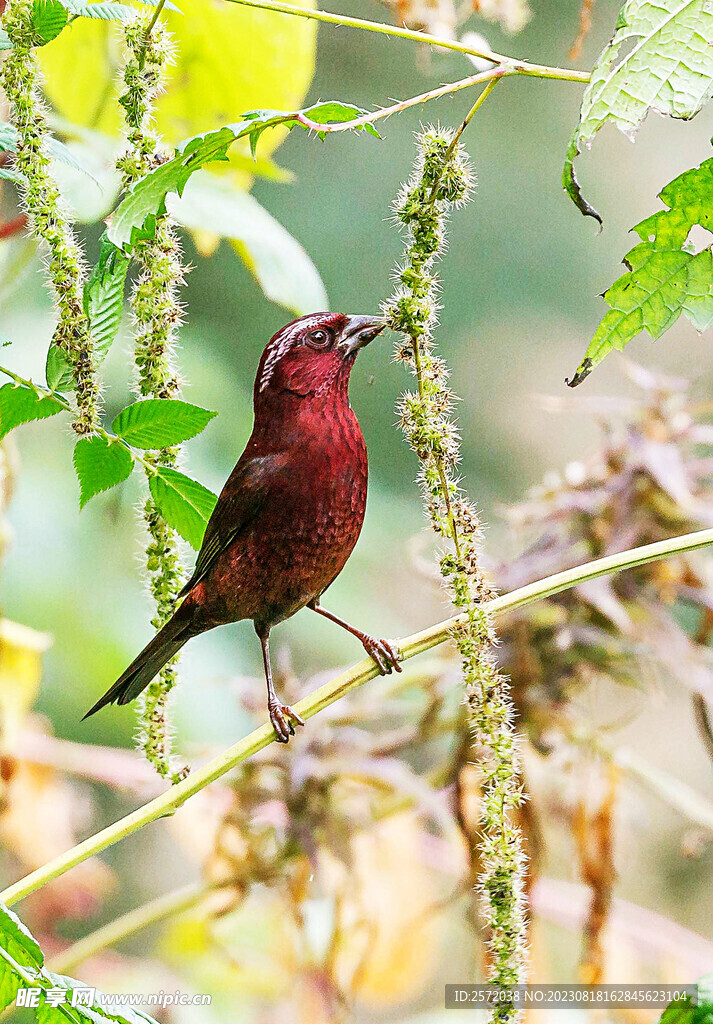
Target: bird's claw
284,720
386,655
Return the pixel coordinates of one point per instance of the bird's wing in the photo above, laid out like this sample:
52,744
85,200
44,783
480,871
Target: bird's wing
239,502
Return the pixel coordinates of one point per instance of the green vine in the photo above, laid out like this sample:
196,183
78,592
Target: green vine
442,179
157,315
47,216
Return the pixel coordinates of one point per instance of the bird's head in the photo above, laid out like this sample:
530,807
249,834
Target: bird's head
315,354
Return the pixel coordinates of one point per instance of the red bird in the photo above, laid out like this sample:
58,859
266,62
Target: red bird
291,512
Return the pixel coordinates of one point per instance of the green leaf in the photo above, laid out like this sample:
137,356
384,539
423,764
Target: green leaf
17,941
9,984
660,58
100,1011
104,295
135,217
49,18
185,504
8,137
14,932
100,464
690,1011
19,404
108,11
160,422
5,43
280,265
58,370
665,277
46,1014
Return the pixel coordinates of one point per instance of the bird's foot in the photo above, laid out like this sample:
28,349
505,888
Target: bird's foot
284,720
384,653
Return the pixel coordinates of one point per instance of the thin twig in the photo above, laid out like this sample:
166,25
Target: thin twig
519,67
141,917
495,78
413,101
335,689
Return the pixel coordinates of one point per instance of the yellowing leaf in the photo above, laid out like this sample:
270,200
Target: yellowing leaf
262,59
21,650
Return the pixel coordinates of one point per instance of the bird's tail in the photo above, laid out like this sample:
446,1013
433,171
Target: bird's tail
167,642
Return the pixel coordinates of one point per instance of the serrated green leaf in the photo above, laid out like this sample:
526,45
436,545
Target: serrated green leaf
689,1011
58,370
185,504
46,1014
160,422
102,1009
17,943
8,137
100,464
107,11
664,278
13,931
281,266
19,404
104,295
9,984
135,217
660,59
49,17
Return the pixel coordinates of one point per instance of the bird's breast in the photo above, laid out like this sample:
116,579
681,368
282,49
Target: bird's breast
303,535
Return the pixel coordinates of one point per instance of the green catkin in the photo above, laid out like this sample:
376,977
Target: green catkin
47,216
442,179
157,315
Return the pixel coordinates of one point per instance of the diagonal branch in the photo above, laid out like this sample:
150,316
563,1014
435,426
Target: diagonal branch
172,799
518,67
133,921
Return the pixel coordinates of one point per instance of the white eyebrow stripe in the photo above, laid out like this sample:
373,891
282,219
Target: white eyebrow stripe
282,343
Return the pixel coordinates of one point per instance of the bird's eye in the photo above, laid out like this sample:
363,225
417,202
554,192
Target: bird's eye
319,339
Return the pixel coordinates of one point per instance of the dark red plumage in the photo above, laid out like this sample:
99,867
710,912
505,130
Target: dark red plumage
291,511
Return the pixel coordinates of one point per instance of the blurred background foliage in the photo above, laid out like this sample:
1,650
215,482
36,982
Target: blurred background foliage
520,300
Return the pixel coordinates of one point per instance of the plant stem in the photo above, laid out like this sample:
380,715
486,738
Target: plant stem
41,392
149,29
36,980
141,917
515,66
157,314
440,181
48,218
335,689
496,77
412,101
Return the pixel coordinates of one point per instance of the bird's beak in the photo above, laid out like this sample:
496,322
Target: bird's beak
359,331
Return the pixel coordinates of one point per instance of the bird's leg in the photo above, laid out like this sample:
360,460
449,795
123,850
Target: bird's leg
283,718
384,653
